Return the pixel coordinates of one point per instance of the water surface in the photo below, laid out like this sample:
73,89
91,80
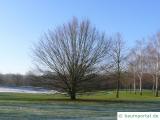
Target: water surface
26,89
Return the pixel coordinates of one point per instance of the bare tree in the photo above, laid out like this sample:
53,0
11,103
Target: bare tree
74,52
156,43
158,63
139,51
118,58
153,54
152,62
132,67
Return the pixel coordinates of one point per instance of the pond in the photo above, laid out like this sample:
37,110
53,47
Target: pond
70,110
26,89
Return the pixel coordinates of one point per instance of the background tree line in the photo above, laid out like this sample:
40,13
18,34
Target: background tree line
100,82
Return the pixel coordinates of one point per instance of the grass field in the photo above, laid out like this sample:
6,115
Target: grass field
90,96
124,96
91,106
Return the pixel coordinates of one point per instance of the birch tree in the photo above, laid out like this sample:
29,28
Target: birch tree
132,67
152,62
157,45
139,51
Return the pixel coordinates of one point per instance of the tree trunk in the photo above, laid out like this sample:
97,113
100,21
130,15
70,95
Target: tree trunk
73,88
153,85
157,75
153,89
117,94
72,95
140,86
134,84
156,92
134,88
118,85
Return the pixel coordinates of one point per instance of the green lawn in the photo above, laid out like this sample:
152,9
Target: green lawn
124,96
90,96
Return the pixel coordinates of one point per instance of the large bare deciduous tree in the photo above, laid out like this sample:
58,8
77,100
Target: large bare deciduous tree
73,51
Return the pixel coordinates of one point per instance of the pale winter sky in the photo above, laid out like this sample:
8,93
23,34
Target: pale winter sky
22,23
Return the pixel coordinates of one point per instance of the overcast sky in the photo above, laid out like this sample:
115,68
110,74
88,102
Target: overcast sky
22,23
